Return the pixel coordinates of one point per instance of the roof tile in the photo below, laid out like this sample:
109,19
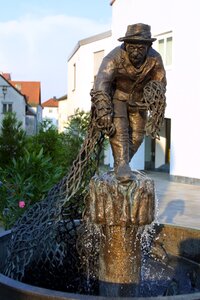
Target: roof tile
50,103
31,89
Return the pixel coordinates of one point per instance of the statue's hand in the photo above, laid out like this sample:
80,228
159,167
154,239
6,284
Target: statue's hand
105,121
102,112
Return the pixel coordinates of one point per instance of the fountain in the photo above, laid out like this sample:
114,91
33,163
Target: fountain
124,257
119,210
114,251
175,242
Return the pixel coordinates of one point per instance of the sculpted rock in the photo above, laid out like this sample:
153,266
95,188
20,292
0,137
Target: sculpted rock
114,203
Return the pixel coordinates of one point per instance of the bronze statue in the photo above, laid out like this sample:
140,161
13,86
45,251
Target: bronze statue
128,100
129,93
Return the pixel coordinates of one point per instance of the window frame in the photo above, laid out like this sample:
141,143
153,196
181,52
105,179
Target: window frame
165,36
97,61
7,106
74,77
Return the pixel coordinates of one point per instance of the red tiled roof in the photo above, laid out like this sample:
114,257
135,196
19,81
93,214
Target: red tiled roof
31,89
7,76
50,103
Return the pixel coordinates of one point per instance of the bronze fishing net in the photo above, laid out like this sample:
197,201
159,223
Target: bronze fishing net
43,245
154,101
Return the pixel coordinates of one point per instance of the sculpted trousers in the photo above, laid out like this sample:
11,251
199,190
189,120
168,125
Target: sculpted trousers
130,124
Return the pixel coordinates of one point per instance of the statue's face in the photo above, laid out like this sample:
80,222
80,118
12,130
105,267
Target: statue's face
137,53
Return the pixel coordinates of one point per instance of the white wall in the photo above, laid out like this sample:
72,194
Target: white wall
156,13
53,115
186,124
17,100
160,149
183,93
137,162
84,60
62,119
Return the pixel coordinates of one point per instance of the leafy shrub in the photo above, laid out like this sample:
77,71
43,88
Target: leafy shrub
25,182
34,164
74,136
30,166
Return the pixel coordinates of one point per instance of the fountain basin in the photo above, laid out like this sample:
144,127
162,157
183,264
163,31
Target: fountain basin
177,241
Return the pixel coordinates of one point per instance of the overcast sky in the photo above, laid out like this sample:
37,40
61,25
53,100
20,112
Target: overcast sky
37,36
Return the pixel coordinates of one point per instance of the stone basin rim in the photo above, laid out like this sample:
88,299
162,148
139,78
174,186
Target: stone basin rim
9,287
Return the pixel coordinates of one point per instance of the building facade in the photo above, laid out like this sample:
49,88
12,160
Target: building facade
175,25
62,117
50,111
11,100
30,91
83,65
178,149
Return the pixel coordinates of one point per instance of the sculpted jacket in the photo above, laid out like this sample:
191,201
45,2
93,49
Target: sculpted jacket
122,81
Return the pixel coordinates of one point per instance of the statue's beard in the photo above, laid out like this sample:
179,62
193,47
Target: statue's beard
136,61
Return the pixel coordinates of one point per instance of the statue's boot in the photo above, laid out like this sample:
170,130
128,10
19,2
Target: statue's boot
123,171
120,152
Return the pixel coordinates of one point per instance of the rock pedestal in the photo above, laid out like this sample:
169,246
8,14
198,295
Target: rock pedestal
120,209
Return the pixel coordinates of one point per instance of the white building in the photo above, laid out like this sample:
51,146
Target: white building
11,100
50,111
83,65
176,26
178,43
62,116
32,92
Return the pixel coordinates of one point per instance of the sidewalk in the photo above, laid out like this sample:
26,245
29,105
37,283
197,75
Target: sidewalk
178,203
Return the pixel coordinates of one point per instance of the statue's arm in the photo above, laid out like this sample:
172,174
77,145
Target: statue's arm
101,93
159,73
105,76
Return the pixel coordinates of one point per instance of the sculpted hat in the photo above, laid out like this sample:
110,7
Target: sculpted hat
138,33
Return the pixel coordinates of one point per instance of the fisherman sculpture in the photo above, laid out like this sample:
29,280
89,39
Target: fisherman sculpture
129,93
128,100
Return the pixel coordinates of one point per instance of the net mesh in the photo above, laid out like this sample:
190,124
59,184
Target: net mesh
44,238
155,101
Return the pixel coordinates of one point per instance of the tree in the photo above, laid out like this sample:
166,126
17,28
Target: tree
12,139
74,136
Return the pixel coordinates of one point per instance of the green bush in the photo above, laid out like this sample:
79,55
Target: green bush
63,147
24,182
34,164
12,139
74,136
49,139
30,166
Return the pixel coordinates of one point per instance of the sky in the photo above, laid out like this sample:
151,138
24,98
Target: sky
37,37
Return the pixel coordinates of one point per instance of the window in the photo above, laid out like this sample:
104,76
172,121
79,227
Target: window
98,57
50,110
164,47
7,107
74,82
